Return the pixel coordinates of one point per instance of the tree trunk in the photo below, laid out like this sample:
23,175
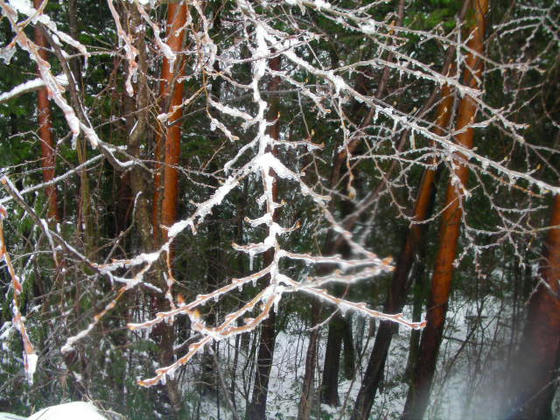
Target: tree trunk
168,134
257,407
306,401
535,374
419,291
172,94
45,131
349,353
338,331
177,13
86,218
329,384
418,395
139,129
265,355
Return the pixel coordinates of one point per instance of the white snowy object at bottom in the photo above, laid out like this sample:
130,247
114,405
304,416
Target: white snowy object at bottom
10,416
69,411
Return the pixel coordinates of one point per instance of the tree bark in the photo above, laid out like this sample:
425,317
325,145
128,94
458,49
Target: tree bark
265,355
139,130
87,223
349,352
337,327
419,392
306,401
45,130
419,291
168,137
535,374
329,384
172,94
176,18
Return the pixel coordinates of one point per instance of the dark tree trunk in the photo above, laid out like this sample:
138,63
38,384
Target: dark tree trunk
257,408
420,289
329,384
349,353
338,333
306,401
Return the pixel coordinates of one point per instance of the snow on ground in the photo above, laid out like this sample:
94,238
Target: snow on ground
468,382
10,416
471,359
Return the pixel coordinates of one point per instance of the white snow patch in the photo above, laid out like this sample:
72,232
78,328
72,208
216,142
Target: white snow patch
69,411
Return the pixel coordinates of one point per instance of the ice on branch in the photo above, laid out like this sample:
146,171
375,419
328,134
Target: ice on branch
29,355
30,86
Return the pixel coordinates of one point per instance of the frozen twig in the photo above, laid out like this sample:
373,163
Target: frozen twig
29,355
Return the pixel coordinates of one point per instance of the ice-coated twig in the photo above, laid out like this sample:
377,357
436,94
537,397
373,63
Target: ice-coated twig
29,355
264,164
30,86
224,330
346,305
54,181
50,234
70,341
37,16
164,48
201,300
130,50
384,264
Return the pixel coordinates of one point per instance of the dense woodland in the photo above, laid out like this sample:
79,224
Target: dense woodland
281,209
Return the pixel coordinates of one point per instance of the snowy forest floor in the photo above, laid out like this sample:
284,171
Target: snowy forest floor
473,360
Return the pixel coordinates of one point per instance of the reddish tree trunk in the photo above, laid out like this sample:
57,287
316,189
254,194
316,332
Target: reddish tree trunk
176,19
535,377
418,395
45,130
156,209
172,96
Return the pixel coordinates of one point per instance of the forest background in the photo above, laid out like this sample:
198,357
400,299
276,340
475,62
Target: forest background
224,208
